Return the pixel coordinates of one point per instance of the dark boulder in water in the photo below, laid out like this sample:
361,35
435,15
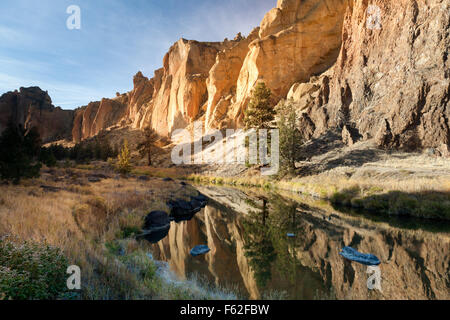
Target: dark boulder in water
186,217
200,197
363,258
167,179
156,226
157,220
179,207
200,200
199,250
182,210
196,205
156,236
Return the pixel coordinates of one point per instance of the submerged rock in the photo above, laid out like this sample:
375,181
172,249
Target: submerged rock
363,258
199,250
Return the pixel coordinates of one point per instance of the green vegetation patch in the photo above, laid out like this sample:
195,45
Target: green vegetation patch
31,271
430,205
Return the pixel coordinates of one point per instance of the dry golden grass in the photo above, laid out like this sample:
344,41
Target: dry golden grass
175,173
82,219
410,173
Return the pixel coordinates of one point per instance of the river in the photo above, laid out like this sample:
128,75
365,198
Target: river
265,245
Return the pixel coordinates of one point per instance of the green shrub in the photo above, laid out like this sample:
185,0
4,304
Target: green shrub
113,247
403,204
357,203
377,203
339,198
434,209
123,159
31,271
141,264
128,232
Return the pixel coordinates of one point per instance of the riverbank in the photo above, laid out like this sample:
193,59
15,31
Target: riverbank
248,231
92,217
401,184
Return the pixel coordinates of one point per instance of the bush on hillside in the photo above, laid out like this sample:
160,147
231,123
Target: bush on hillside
31,271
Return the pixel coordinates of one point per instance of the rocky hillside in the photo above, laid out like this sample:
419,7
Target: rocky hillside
32,107
213,81
375,72
390,82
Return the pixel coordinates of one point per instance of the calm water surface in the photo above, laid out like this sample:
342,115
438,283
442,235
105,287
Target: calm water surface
252,253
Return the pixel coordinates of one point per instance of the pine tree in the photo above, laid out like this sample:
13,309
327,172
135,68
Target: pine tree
47,157
290,136
145,147
19,153
260,112
124,159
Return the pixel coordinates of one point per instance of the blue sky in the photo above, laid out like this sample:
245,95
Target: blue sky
117,39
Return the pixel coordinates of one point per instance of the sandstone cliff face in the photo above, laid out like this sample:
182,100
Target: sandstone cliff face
171,100
214,81
376,72
32,107
297,39
183,84
222,81
391,80
97,116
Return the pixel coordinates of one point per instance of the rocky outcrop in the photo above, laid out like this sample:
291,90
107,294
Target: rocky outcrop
97,116
213,81
391,79
377,71
297,39
32,107
222,81
124,109
172,99
183,89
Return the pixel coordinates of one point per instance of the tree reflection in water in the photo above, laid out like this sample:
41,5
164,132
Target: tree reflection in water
270,251
258,243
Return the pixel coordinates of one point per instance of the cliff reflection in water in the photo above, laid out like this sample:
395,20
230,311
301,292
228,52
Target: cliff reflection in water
252,253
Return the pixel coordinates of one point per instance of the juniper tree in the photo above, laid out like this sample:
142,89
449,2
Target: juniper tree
260,112
19,153
290,136
146,147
